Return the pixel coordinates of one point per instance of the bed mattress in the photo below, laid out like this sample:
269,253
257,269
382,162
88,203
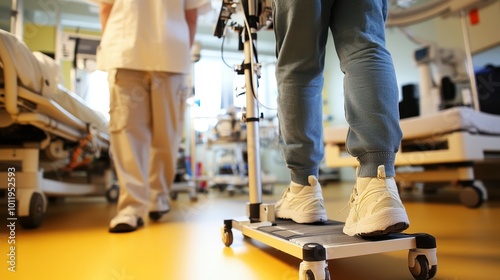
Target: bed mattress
39,75
35,71
439,123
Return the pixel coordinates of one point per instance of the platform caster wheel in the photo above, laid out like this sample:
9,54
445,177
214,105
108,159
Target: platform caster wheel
421,269
314,270
310,275
473,194
227,237
36,212
112,194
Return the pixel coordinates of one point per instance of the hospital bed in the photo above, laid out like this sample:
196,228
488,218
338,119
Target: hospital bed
51,144
459,145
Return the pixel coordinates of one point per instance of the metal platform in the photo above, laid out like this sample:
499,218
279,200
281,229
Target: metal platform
317,243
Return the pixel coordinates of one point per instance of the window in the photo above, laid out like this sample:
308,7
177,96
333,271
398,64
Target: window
218,87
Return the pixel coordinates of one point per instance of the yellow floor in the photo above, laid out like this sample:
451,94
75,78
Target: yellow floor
73,242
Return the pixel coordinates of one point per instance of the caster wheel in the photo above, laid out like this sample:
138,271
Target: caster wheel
314,270
221,187
112,194
36,212
227,237
421,269
310,275
55,199
269,190
432,188
174,195
473,195
432,272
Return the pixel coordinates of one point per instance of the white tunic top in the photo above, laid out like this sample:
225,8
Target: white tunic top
148,35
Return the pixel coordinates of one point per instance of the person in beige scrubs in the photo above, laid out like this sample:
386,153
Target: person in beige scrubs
145,49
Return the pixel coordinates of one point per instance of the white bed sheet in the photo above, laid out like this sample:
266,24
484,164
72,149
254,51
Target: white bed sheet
40,74
35,71
77,107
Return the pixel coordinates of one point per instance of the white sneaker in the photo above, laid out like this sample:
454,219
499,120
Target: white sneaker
376,208
302,204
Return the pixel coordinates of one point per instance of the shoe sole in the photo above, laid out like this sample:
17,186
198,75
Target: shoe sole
156,215
302,218
399,227
124,227
379,224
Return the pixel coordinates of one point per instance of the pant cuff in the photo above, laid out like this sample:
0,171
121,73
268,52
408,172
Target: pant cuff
369,163
301,176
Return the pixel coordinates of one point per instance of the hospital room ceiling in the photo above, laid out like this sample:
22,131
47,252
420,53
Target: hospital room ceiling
73,13
408,12
84,15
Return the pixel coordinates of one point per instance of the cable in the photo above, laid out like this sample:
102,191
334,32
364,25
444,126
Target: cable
222,52
253,53
413,38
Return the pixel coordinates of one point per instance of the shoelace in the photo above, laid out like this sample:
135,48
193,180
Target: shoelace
285,192
354,193
350,202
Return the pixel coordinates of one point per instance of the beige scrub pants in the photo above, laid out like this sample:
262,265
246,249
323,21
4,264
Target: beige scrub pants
146,124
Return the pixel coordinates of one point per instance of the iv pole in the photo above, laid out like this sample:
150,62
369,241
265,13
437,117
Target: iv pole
257,212
470,66
251,114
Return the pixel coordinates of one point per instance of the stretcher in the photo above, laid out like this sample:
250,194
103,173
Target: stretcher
53,142
460,145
